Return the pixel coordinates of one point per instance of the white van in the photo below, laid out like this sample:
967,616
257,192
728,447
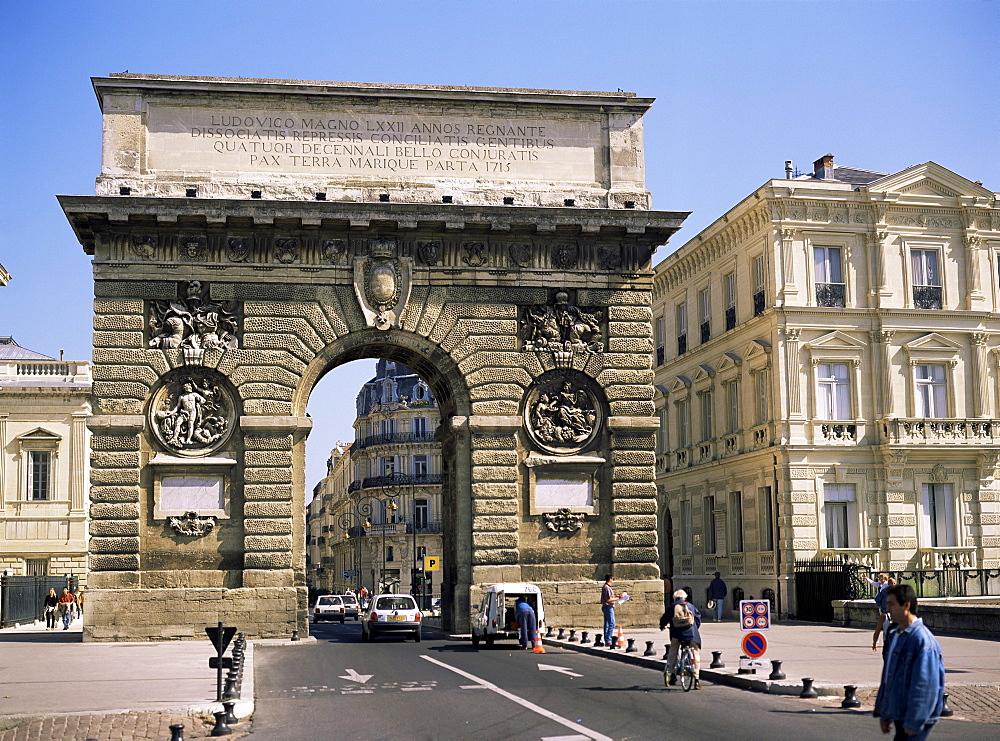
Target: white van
494,618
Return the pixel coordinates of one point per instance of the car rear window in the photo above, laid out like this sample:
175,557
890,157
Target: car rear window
330,601
395,603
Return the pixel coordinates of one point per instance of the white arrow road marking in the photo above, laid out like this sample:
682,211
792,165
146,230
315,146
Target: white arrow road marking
561,669
522,702
355,677
565,738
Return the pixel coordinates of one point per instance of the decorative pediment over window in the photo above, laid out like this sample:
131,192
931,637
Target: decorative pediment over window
933,346
679,384
39,437
756,348
703,374
729,361
835,341
929,179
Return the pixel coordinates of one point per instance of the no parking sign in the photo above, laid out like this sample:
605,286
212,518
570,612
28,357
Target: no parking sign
755,614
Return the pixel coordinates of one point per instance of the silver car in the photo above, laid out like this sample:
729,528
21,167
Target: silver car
391,614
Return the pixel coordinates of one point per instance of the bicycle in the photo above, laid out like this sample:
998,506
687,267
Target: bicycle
683,668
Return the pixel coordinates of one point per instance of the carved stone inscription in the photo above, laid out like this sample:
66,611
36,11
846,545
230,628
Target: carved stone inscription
186,493
362,142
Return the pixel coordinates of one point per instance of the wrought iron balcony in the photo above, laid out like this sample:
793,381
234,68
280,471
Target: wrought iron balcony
758,303
706,332
831,294
943,431
660,355
682,344
927,297
395,480
393,438
730,318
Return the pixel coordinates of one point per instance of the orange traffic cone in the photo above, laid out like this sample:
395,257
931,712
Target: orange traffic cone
620,638
539,648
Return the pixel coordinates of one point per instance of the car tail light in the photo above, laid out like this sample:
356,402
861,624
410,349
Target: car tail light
316,611
374,617
418,616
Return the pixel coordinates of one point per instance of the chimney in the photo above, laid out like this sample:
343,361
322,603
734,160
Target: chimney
823,167
789,170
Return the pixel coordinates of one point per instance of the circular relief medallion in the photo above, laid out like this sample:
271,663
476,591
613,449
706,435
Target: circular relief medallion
562,416
192,415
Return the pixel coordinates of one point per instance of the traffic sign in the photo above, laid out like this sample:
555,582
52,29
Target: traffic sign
755,614
220,637
432,563
214,662
754,645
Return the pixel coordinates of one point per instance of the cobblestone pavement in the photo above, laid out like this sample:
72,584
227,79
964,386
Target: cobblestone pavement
114,727
975,702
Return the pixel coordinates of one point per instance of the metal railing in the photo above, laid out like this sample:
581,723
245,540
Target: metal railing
392,438
396,479
831,294
21,597
927,297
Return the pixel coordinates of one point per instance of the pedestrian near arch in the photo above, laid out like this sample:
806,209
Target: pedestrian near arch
608,598
684,620
717,592
527,623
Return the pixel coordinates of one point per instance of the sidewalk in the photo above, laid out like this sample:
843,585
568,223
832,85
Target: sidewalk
54,686
832,655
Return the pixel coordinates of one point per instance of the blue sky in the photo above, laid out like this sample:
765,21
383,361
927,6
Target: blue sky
740,87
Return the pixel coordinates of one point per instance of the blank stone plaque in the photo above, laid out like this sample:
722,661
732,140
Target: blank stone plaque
191,493
568,490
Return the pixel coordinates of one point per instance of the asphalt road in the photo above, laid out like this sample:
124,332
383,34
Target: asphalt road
341,688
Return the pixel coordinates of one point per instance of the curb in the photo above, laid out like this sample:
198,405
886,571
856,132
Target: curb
740,681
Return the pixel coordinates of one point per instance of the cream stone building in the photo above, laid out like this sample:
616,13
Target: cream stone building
827,375
381,500
44,404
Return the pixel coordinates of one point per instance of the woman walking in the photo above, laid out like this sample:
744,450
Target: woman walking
49,605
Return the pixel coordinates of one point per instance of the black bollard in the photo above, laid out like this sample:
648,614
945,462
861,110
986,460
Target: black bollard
548,631
221,729
599,640
741,670
631,646
807,688
562,635
177,732
649,649
946,712
717,662
572,636
585,641
666,651
776,672
295,635
230,693
231,718
850,699
614,642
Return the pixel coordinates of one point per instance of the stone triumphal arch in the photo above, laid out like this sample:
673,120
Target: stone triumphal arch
249,235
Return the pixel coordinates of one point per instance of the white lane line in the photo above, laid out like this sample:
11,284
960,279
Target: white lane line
472,687
415,689
565,738
522,702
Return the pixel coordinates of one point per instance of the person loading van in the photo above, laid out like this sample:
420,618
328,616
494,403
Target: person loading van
527,623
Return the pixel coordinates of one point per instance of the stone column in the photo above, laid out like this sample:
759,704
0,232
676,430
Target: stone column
983,398
883,370
788,263
791,371
3,445
973,273
78,461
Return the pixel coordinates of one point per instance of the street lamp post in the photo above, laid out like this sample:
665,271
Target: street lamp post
359,520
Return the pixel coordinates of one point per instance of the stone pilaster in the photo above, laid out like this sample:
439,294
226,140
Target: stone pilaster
792,371
983,398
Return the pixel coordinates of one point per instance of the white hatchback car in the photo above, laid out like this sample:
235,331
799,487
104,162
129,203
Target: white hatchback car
328,607
391,614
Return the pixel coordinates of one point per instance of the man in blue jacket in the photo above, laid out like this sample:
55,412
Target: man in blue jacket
911,694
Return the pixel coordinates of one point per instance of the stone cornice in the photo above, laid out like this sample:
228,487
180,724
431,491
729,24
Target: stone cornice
92,214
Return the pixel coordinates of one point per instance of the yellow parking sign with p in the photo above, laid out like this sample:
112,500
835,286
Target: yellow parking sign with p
432,563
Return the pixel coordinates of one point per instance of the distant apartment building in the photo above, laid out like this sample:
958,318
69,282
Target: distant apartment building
827,368
44,463
377,513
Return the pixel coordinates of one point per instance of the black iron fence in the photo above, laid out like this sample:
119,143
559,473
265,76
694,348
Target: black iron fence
817,583
21,597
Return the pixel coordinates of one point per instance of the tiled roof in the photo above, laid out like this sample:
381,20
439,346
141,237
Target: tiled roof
10,350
